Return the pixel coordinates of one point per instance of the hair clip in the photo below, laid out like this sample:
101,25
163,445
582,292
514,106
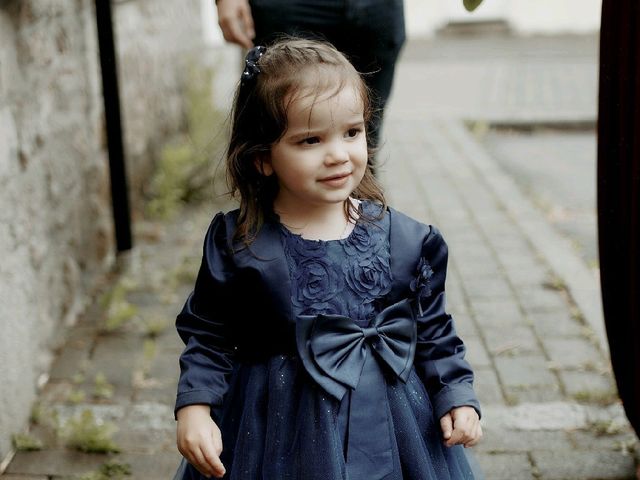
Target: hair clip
251,68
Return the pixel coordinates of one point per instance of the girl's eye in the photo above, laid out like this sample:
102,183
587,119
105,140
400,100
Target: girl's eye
310,140
353,132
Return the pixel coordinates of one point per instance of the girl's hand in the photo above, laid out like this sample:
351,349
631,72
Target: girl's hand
199,440
461,426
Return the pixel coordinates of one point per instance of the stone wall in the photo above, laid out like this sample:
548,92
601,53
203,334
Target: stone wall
54,201
56,233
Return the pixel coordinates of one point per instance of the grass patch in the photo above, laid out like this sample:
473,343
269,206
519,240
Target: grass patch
184,171
554,283
102,389
108,471
76,396
603,428
24,442
86,434
118,310
599,397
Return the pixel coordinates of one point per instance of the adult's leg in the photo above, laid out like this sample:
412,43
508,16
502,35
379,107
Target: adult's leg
373,37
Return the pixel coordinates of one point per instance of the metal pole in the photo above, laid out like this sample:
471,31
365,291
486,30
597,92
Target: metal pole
108,64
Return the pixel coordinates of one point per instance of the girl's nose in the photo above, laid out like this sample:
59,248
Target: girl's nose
337,153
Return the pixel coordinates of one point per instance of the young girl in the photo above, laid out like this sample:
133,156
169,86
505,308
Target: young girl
317,342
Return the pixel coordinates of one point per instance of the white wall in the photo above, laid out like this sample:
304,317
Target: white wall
424,17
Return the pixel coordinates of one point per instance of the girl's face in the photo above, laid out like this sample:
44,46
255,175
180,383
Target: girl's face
322,156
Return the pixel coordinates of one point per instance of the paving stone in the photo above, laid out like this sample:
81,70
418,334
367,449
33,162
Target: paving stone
618,442
523,272
505,440
583,465
160,465
511,242
117,358
170,341
465,326
536,394
555,324
72,357
497,313
588,386
146,441
505,466
524,371
553,416
487,288
471,252
487,387
515,340
540,299
55,462
481,268
476,354
154,390
572,352
165,366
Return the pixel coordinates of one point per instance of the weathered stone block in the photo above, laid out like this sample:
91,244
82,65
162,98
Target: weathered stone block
583,465
505,466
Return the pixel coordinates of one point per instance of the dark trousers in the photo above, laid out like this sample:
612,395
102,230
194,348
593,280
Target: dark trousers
369,32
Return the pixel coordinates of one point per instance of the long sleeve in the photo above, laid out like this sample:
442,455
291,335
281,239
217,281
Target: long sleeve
439,358
207,359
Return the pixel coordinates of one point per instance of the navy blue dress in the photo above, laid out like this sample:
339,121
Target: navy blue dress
352,383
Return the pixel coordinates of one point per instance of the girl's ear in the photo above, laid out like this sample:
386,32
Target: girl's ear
262,163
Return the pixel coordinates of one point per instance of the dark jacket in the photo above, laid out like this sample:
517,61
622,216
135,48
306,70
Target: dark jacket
240,311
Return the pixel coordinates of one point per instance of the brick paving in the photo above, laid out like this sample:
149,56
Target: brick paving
523,301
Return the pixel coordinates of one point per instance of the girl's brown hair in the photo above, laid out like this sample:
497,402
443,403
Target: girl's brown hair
289,68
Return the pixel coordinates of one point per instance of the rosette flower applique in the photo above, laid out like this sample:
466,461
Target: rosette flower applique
421,283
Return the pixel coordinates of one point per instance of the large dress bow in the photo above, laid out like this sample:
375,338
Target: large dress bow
337,354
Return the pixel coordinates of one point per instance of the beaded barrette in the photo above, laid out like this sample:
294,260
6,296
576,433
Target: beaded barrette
251,68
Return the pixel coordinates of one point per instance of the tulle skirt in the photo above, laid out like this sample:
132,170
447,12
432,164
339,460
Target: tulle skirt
278,424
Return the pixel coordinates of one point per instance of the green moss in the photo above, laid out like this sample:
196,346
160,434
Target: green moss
76,396
600,397
102,389
43,416
118,314
115,469
85,434
109,470
511,399
555,283
24,442
606,427
118,311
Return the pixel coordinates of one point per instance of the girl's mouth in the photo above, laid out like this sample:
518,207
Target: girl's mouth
336,180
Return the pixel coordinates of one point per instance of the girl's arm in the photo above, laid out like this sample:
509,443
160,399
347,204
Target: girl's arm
203,325
207,359
439,359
